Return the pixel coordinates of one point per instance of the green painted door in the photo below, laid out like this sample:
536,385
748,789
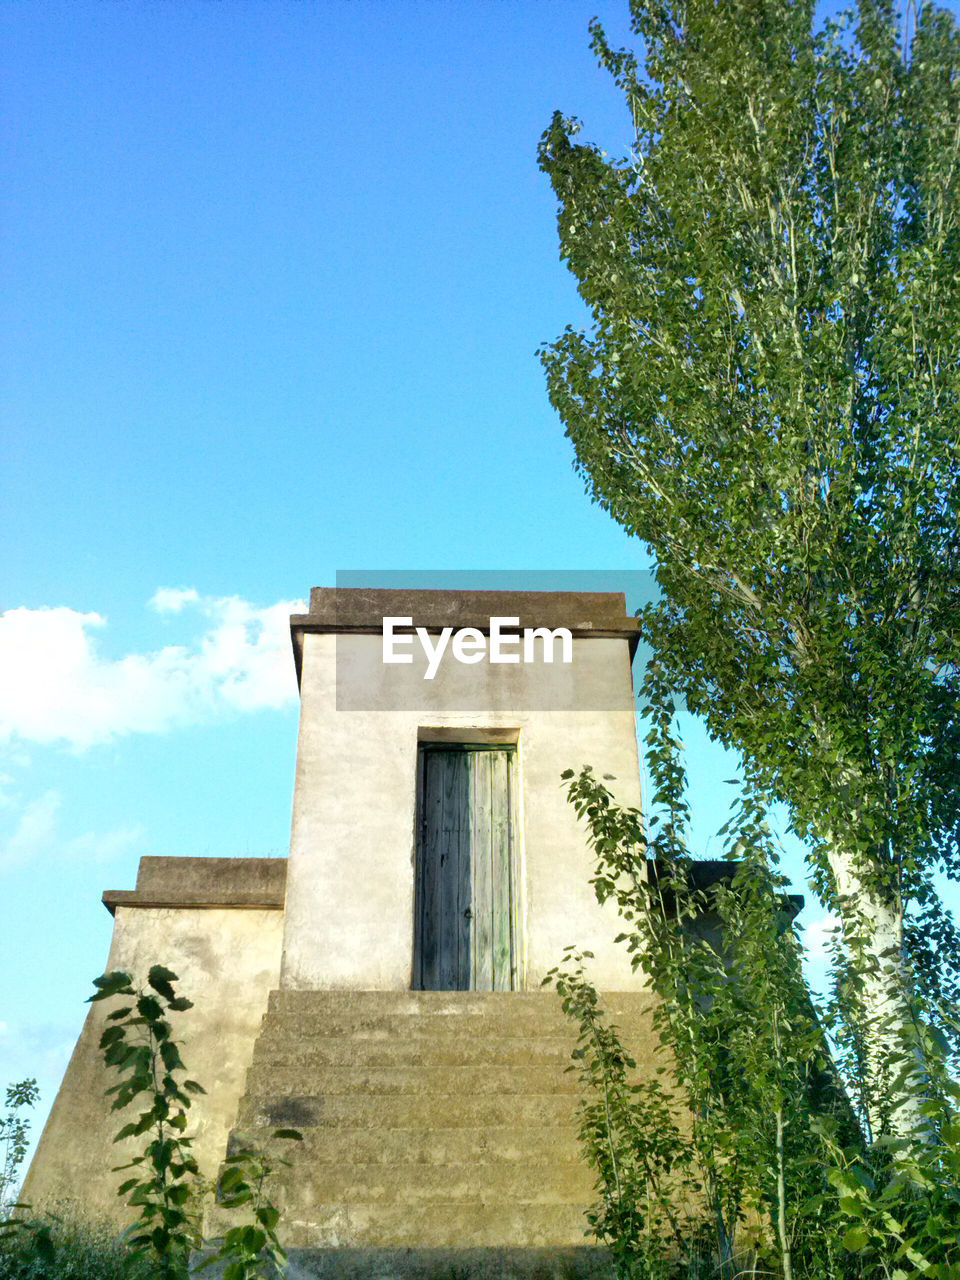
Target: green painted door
466,932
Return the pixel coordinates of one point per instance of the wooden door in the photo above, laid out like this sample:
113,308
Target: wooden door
466,931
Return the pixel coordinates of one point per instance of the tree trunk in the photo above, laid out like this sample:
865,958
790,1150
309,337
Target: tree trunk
873,934
785,1258
786,1261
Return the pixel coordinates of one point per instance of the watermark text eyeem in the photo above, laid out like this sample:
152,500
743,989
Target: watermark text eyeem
470,644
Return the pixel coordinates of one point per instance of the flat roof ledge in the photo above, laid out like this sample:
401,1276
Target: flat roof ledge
251,883
361,610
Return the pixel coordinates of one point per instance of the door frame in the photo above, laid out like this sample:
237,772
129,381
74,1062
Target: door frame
466,746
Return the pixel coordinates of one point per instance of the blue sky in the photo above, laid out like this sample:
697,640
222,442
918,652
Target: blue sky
274,279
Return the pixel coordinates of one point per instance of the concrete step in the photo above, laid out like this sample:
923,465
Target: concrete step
433,1185
431,1119
464,1225
572,1262
391,1016
406,1001
439,1029
494,1145
325,1013
404,1111
268,1079
368,1049
288,999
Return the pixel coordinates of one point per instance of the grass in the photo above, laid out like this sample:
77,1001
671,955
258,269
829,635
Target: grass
60,1249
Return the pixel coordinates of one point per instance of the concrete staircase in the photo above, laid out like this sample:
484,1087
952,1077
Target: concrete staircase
431,1119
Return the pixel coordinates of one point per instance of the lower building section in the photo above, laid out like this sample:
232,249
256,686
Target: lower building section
218,924
430,1119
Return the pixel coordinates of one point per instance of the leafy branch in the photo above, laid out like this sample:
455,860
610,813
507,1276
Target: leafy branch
138,1042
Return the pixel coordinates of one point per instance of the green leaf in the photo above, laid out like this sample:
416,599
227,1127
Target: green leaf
170,1055
110,985
158,973
254,1239
231,1179
149,1008
856,1238
113,980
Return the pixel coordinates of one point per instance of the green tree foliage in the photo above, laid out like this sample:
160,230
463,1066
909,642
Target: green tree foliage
139,1043
768,398
53,1248
167,1187
742,1154
14,1136
251,1249
708,1163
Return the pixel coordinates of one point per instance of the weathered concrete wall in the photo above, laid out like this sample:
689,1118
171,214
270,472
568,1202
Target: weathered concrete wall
227,959
350,887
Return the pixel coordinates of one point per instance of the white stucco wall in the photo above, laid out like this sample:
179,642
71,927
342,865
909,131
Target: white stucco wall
350,878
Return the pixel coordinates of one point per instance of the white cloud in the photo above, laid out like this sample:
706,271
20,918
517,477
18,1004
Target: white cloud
57,687
816,940
37,837
173,599
34,833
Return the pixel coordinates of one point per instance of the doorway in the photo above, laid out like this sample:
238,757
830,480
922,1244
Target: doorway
466,899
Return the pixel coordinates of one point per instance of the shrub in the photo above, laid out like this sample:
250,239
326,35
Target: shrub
62,1249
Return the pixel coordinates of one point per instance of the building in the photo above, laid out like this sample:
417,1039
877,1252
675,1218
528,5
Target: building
380,989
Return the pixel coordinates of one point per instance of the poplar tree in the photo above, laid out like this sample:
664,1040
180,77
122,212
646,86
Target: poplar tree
767,397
